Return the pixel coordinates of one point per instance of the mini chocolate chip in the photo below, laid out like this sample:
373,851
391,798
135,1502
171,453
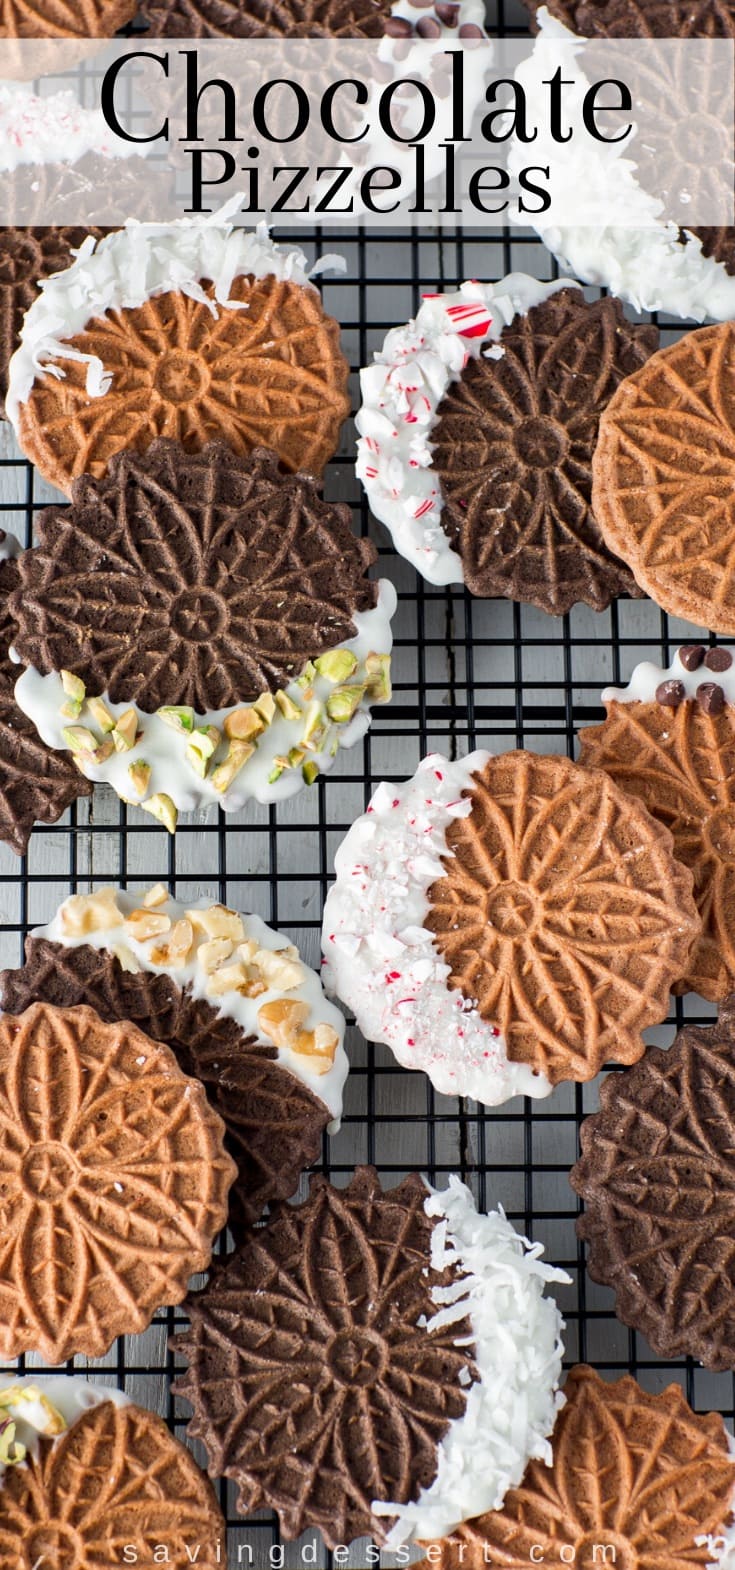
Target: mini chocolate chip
398,27
447,13
718,659
691,655
670,694
710,697
470,30
428,28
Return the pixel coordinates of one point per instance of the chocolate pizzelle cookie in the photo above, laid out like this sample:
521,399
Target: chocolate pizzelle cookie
656,1178
239,1009
311,18
200,628
669,740
191,330
36,784
641,18
639,1481
346,1366
478,461
507,923
113,1182
663,476
84,1470
63,18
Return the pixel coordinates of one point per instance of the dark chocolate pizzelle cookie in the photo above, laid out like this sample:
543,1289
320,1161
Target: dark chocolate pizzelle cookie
190,578
273,1123
656,1175
36,784
513,447
266,18
316,1385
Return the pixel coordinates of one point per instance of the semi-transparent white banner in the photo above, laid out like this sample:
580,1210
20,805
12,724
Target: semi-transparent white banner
438,131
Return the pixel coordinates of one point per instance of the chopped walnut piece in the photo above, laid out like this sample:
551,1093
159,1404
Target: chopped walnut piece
155,896
83,913
281,1020
145,924
178,948
229,978
319,1045
277,970
218,922
214,953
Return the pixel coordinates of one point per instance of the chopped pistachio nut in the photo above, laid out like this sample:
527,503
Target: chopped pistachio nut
276,772
178,948
307,676
343,703
309,771
101,715
80,740
125,732
178,717
162,808
155,896
75,694
83,913
281,1020
237,755
265,706
288,708
243,725
337,664
145,924
295,756
202,747
313,723
218,921
140,776
377,667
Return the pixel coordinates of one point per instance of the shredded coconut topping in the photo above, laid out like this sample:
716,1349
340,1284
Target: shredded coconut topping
401,393
518,1349
123,270
380,959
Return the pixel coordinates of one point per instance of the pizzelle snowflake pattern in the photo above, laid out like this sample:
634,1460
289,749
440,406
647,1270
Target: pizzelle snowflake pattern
36,784
641,1475
563,914
274,1124
63,18
113,1182
663,477
321,1318
513,447
657,1179
680,763
116,1476
190,579
271,374
266,18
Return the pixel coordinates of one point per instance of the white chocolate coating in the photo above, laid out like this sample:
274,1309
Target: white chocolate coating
56,129
123,270
518,1348
643,262
164,749
401,393
380,959
68,1394
647,677
118,939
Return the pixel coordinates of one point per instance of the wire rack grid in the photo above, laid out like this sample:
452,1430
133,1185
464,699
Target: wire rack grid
467,673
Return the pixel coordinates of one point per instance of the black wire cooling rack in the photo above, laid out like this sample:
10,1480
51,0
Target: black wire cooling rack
467,673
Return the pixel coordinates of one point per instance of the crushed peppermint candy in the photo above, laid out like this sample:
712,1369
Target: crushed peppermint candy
36,130
380,959
401,394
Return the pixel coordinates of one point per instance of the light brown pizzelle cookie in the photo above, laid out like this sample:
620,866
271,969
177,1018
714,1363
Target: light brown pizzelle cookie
113,1181
664,477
